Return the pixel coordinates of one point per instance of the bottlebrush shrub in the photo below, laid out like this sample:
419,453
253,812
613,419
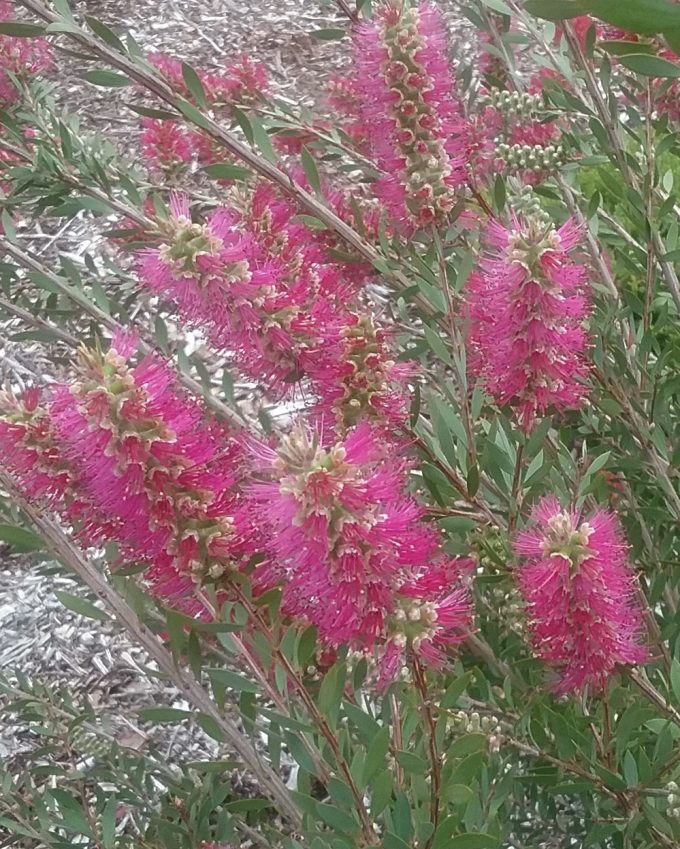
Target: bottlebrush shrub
362,423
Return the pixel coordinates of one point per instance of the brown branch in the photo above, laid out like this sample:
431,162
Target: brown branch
435,757
344,7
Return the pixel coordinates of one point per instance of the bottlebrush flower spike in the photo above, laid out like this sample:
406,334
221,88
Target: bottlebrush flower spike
23,57
33,451
343,536
243,82
433,614
227,283
358,379
149,458
30,448
411,114
165,144
527,306
580,595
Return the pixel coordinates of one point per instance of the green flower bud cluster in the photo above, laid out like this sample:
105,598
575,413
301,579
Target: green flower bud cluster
527,205
514,102
673,799
472,722
532,157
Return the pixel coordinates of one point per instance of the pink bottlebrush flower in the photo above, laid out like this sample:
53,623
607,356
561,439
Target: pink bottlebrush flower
433,614
244,82
150,460
23,57
33,452
344,98
30,448
166,145
533,133
358,378
342,534
580,594
169,68
226,282
527,307
412,116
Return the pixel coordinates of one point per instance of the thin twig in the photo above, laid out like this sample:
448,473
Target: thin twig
435,757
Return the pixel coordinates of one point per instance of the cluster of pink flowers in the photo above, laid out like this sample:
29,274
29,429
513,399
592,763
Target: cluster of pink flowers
224,281
527,305
411,117
580,593
124,454
22,57
244,81
324,513
351,551
262,286
166,143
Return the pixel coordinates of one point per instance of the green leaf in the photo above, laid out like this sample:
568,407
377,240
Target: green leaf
192,114
262,141
214,766
455,690
20,539
284,721
376,754
210,725
148,112
328,34
650,66
107,79
598,463
106,34
498,6
641,16
330,693
226,171
233,681
457,794
20,30
194,85
393,841
623,48
310,169
81,606
243,805
466,745
411,763
472,481
164,714
473,840
71,811
300,753
552,10
675,679
337,818
108,822
437,345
